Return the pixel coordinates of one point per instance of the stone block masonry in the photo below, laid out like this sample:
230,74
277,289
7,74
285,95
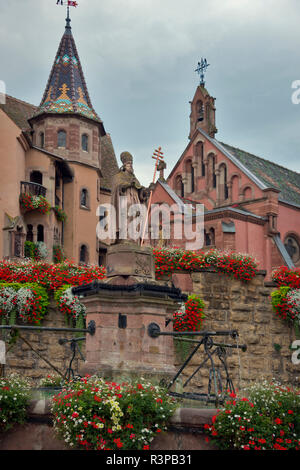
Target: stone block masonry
21,359
231,304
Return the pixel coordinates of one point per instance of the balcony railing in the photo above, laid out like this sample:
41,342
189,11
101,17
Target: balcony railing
34,189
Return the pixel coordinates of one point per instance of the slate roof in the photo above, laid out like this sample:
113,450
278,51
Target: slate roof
66,90
19,111
270,174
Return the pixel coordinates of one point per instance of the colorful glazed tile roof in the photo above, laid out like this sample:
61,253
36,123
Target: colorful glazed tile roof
66,90
271,174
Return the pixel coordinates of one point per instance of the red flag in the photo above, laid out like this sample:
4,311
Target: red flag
72,4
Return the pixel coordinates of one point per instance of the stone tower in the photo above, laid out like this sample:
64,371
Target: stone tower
203,112
67,126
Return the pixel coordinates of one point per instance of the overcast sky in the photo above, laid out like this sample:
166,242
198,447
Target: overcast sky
139,58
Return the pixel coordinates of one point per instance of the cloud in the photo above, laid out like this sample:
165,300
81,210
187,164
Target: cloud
139,59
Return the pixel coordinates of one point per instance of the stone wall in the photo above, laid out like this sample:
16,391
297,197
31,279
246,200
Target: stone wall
20,358
231,304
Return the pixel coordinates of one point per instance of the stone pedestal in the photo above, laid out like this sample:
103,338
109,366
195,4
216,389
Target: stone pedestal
121,345
129,259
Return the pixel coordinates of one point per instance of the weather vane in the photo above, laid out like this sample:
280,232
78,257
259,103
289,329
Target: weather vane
68,4
201,69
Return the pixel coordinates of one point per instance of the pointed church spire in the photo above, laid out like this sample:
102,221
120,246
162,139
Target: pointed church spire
66,91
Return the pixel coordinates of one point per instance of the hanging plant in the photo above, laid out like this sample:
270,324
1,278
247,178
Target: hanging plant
8,299
60,214
27,302
70,306
28,203
286,299
189,318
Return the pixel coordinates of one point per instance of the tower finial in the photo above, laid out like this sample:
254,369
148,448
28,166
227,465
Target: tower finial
201,69
68,4
68,19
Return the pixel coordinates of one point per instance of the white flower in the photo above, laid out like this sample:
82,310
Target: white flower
73,302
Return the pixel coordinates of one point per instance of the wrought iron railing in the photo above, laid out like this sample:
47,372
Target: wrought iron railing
15,334
33,189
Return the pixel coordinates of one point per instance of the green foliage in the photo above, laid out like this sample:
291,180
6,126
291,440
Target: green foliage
96,415
278,296
29,249
14,400
268,419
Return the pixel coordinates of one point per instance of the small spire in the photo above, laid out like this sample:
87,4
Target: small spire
66,90
68,19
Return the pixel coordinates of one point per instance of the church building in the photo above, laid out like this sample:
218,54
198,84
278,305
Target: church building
251,205
57,162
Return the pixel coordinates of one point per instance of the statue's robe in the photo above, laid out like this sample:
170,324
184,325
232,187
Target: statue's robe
125,184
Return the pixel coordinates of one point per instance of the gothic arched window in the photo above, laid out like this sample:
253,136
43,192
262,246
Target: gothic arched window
62,139
42,140
84,198
83,255
40,233
36,177
200,110
192,179
29,235
179,186
223,182
200,156
85,142
212,170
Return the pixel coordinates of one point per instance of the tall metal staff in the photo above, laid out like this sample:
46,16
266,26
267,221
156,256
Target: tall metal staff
158,157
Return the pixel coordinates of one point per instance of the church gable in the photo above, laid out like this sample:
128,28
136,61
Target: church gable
206,174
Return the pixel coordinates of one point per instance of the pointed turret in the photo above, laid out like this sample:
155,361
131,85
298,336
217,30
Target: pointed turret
66,91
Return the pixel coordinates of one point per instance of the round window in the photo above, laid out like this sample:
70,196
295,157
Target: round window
293,248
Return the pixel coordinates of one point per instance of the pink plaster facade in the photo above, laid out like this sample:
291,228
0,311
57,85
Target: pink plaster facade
63,177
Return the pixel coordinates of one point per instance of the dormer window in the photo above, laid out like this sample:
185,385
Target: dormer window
61,139
85,142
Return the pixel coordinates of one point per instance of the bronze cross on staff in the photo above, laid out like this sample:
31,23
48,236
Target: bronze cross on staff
158,157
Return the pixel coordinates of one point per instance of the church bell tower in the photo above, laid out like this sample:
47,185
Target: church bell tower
202,106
